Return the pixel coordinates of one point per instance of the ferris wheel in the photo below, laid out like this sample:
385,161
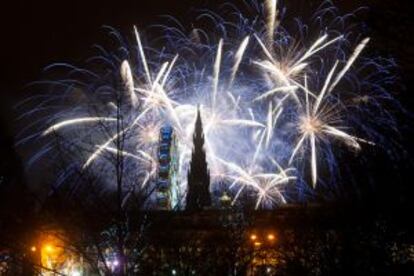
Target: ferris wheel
167,186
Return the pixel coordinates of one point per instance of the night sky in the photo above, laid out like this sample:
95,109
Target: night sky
38,33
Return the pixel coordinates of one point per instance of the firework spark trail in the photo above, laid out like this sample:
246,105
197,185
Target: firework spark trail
79,121
142,54
102,147
324,89
273,91
128,81
241,122
238,59
146,158
125,154
265,102
271,6
216,74
351,61
168,73
269,127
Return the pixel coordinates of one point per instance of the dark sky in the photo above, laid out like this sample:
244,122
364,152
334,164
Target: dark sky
38,33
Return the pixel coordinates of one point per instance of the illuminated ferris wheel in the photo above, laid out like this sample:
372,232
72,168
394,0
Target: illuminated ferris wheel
167,186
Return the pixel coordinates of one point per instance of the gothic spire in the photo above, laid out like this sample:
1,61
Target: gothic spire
198,192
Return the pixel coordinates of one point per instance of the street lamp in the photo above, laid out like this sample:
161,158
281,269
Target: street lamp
257,244
270,237
49,248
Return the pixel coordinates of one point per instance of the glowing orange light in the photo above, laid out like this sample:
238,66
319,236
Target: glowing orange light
257,244
271,237
49,248
33,249
253,237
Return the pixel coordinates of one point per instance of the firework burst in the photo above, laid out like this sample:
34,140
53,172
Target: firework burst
265,125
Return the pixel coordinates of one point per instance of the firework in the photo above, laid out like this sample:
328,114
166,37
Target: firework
265,126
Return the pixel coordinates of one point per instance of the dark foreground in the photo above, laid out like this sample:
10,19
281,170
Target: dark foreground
294,240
